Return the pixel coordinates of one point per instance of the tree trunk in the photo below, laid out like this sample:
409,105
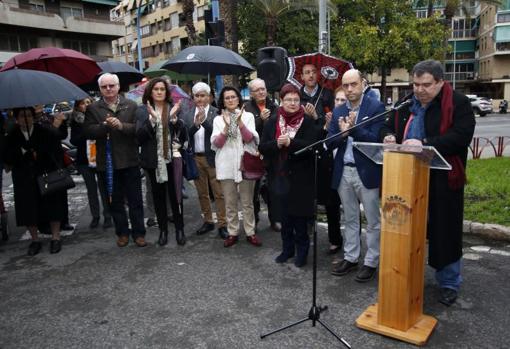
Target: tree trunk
384,74
271,31
228,11
430,8
188,7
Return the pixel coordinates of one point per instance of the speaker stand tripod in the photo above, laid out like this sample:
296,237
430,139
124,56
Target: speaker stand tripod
315,311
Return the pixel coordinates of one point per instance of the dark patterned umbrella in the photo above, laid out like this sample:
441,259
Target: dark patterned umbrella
330,69
70,64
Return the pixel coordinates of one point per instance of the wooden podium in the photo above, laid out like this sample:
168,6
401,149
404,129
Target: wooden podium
404,202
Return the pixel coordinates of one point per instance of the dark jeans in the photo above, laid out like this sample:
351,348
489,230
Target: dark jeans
294,232
333,217
89,176
159,193
272,201
127,184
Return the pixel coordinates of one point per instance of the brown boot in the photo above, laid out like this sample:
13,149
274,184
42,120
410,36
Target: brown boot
122,241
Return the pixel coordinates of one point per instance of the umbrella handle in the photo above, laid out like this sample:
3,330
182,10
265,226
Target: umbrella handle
318,98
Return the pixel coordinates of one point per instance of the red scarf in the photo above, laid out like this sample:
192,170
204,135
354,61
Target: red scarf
457,176
292,120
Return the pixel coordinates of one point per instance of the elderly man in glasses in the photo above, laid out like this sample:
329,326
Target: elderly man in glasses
112,120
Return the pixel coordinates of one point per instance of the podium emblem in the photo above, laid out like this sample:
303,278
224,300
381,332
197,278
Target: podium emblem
395,210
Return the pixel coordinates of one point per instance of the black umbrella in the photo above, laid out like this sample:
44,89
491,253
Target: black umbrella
126,73
203,60
25,88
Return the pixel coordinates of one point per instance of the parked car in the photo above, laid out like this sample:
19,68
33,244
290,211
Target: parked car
481,105
64,107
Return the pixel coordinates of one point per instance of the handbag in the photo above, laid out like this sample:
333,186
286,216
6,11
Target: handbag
190,166
252,166
55,181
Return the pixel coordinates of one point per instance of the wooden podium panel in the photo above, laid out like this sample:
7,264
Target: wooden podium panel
399,311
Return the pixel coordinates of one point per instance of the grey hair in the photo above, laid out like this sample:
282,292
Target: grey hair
433,67
254,81
108,75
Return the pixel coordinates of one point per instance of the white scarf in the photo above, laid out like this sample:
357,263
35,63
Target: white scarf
161,170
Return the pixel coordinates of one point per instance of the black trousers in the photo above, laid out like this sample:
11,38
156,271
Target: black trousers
159,191
127,185
333,217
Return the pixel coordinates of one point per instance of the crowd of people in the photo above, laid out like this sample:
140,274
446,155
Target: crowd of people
115,137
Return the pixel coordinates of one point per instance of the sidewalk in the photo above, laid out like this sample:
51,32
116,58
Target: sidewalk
96,295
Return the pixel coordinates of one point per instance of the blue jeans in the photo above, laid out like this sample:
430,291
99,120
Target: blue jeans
449,276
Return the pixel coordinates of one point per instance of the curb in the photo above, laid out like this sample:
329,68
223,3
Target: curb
487,230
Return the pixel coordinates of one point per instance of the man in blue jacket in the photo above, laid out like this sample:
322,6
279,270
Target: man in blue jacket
355,176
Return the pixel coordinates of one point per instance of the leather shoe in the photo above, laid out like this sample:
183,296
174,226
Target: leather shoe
276,226
230,241
223,232
163,238
66,226
365,274
34,248
179,237
343,268
205,228
94,223
151,222
448,296
283,257
108,223
300,261
55,246
254,240
123,240
140,241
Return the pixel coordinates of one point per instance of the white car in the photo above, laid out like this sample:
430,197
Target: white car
481,105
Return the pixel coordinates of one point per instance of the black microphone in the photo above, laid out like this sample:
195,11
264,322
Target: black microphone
405,103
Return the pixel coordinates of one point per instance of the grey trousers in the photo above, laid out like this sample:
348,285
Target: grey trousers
351,190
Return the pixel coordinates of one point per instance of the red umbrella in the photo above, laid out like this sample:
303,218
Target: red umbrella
72,65
330,69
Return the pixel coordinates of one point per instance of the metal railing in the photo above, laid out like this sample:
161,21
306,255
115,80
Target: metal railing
498,145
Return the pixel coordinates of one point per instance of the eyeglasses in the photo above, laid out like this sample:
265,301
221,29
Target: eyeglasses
198,95
110,86
228,98
260,89
291,100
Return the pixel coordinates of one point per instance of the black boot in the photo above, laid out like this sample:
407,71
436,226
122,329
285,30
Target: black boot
163,238
179,237
3,226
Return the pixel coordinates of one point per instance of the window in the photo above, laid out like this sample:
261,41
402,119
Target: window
145,30
503,17
176,44
160,25
37,6
17,43
165,3
85,47
168,24
70,12
154,28
174,19
421,14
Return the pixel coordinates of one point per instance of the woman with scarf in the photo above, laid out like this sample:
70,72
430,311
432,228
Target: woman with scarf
290,175
162,138
86,168
233,134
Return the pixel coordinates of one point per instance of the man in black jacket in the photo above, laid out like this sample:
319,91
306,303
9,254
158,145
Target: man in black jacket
263,108
113,119
444,119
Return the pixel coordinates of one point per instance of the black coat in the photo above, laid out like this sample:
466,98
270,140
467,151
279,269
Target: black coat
253,108
208,128
146,135
43,154
294,177
446,206
124,145
79,140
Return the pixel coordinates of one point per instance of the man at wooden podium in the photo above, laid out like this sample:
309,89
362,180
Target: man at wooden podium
444,119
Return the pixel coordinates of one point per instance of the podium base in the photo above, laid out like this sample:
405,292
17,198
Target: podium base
418,334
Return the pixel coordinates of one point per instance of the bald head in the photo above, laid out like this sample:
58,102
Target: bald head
352,83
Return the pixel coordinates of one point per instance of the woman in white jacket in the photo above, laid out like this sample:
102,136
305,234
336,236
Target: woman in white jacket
233,134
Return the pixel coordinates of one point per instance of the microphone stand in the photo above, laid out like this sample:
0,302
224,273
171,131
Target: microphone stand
315,311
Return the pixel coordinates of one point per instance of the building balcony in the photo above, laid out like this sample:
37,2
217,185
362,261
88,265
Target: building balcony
460,76
13,15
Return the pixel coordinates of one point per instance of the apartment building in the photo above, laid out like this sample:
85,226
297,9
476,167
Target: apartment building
479,61
162,29
83,26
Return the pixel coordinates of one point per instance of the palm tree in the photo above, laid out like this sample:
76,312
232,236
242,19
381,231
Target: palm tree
228,11
274,9
188,7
